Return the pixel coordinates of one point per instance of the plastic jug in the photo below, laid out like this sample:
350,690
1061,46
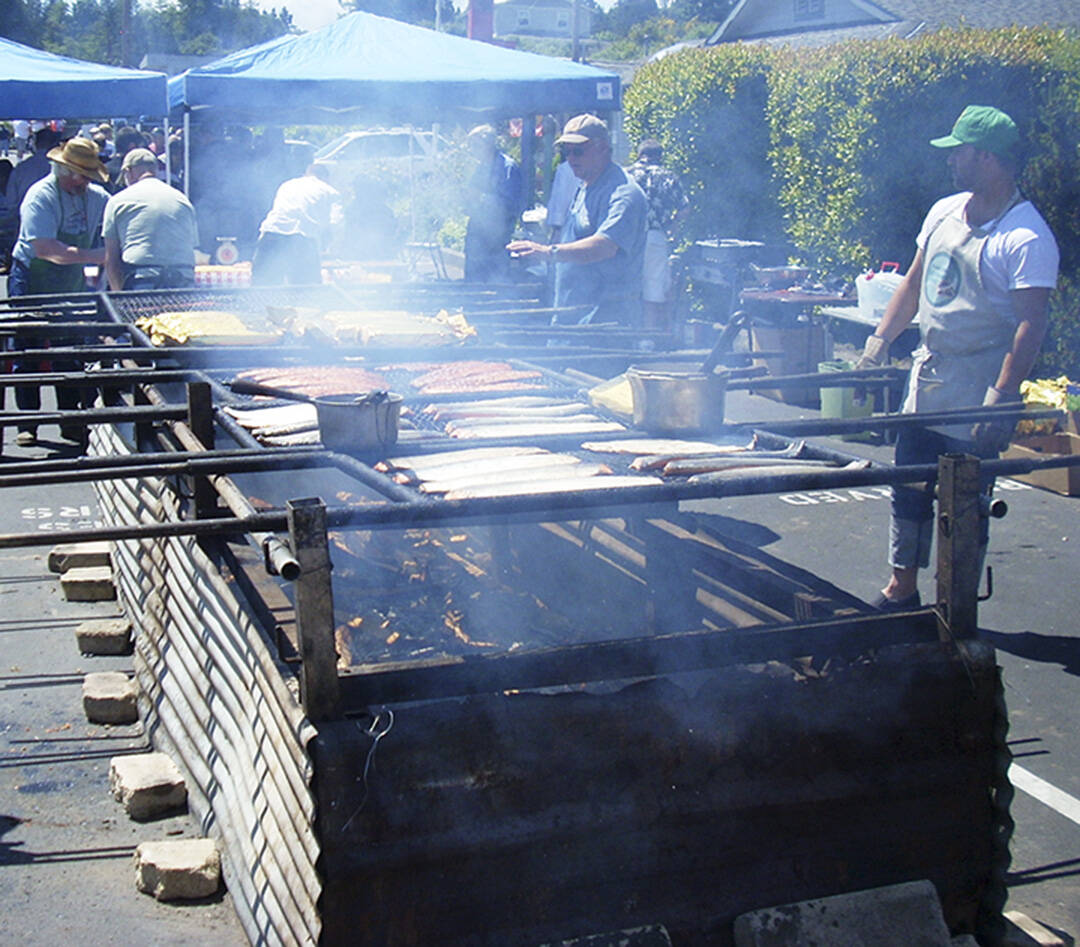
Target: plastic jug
875,289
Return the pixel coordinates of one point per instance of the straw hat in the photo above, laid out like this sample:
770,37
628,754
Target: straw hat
80,156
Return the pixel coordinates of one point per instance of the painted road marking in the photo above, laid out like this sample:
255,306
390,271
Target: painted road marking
1048,794
818,497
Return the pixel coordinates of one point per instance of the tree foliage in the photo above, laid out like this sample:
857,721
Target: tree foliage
421,12
93,29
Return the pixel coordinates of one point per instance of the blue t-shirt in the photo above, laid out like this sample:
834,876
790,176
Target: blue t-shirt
616,207
48,211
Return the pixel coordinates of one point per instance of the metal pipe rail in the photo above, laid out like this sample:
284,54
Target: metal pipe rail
106,377
422,512
88,416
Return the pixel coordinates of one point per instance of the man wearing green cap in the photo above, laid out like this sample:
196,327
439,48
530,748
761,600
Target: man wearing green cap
979,284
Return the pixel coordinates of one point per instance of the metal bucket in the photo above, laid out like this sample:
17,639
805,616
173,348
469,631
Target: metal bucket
675,399
354,424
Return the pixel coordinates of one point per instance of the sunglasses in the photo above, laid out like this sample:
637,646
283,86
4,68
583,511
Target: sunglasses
574,151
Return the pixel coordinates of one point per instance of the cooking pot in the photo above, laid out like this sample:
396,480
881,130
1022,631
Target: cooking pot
350,424
676,398
779,277
354,424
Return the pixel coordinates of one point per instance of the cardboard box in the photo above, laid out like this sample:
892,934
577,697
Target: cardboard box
1064,480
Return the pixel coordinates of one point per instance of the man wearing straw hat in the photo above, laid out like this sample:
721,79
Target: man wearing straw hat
59,234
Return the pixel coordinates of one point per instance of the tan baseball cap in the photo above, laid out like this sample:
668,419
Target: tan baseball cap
583,128
141,157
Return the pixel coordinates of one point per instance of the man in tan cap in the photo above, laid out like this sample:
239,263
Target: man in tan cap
599,257
59,234
149,229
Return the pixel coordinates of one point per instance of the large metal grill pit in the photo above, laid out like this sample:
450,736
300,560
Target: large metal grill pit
529,717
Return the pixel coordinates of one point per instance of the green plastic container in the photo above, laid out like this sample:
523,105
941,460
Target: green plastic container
840,402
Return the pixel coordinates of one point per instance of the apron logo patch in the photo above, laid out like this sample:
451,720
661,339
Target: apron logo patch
942,282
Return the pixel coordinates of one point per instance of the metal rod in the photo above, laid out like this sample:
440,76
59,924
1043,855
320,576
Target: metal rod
97,378
280,455
866,376
194,467
275,551
424,512
808,427
97,415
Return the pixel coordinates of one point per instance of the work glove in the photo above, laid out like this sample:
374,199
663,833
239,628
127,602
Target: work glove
875,353
992,437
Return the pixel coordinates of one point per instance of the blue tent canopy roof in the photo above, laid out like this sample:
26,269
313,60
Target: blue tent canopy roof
370,68
34,83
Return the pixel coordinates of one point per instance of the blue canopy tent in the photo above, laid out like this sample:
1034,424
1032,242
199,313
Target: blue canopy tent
368,69
38,84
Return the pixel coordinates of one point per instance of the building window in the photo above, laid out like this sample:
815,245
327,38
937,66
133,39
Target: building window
523,18
809,10
562,21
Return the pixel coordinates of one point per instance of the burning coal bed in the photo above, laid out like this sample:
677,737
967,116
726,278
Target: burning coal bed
434,593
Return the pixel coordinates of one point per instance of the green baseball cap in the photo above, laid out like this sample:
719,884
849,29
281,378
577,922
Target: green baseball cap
984,127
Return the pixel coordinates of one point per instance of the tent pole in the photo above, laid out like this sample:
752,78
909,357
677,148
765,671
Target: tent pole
187,153
528,158
168,156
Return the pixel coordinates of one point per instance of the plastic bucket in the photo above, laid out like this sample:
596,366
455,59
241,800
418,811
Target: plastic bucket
840,402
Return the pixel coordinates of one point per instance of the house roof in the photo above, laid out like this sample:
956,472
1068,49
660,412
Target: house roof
757,20
558,4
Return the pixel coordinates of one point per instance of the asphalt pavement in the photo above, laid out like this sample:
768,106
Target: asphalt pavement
66,846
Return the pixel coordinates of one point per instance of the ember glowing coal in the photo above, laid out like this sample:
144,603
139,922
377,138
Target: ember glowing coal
429,593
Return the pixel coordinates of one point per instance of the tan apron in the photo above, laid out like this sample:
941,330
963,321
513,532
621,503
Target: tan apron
964,339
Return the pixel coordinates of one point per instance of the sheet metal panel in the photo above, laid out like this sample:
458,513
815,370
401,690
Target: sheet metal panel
213,697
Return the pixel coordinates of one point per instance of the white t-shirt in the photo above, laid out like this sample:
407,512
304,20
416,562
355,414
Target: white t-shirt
21,128
1020,253
563,188
306,205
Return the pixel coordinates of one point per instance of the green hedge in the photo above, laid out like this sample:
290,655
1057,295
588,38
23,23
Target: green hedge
697,103
848,168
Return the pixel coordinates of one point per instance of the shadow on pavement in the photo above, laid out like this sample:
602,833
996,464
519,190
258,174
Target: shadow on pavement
1049,649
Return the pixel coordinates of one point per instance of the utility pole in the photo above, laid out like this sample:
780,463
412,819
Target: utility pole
575,31
125,33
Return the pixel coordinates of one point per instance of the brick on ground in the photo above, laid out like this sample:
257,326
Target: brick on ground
147,785
892,916
110,697
104,636
1023,931
88,584
79,555
178,869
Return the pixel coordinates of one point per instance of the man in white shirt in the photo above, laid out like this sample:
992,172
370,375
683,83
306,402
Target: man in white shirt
980,283
290,237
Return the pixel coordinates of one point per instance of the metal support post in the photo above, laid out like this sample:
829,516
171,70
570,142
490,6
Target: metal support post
201,422
320,690
958,545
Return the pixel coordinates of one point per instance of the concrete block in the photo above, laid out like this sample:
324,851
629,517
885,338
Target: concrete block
893,916
79,555
178,869
109,697
148,785
88,584
1022,931
104,636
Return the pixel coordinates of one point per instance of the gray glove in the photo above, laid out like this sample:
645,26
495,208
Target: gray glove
875,353
992,437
